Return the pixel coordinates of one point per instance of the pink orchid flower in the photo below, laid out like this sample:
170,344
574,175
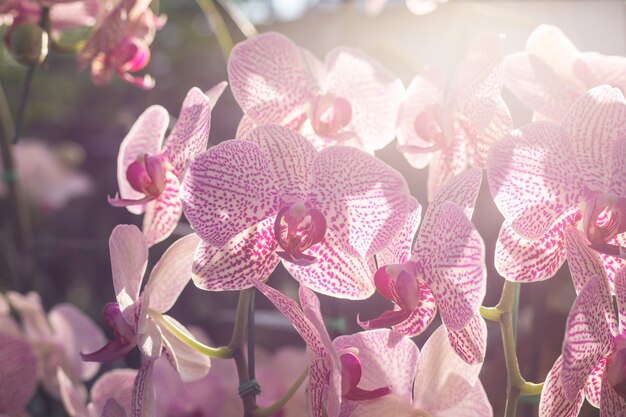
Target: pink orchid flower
351,369
110,395
439,385
64,14
593,362
132,316
18,373
546,176
350,99
552,73
150,167
418,7
57,339
120,43
445,269
272,196
451,132
48,182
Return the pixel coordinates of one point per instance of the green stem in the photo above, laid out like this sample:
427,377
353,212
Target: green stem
236,344
240,19
278,405
219,26
17,202
223,352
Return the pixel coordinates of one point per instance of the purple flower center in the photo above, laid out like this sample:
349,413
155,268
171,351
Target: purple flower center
330,115
298,227
435,125
604,218
351,375
130,55
147,175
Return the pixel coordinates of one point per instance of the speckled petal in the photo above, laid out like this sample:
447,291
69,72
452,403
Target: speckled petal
365,201
594,124
227,190
142,404
18,373
553,400
113,390
587,338
399,249
454,267
163,214
269,79
533,178
521,260
594,383
251,255
470,343
190,134
611,403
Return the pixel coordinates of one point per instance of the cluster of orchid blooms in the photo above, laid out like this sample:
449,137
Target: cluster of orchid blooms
300,185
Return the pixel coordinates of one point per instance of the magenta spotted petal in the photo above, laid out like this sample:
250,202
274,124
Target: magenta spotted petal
470,343
18,373
554,402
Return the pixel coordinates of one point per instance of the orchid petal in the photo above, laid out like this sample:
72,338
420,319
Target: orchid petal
521,260
595,69
335,272
594,383
73,395
290,158
365,201
249,256
461,190
389,405
445,164
374,94
129,258
611,403
594,123
33,319
387,360
269,80
76,333
111,351
475,404
114,390
611,263
190,134
426,90
587,338
470,343
481,141
585,265
171,274
214,93
554,402
145,137
438,388
533,179
319,374
142,404
399,249
620,296
476,87
18,373
421,316
190,364
454,268
245,126
617,175
162,215
149,337
228,189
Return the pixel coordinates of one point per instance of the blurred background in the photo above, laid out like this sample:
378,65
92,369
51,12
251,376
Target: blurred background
74,130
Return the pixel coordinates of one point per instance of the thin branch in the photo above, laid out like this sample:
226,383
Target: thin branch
19,120
240,19
280,403
219,26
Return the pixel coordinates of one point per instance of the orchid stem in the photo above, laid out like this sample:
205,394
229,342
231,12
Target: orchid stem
17,202
23,100
278,405
251,364
223,352
237,344
240,19
216,20
508,308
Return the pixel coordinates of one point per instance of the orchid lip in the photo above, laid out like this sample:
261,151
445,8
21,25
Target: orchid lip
350,377
604,218
330,114
125,337
298,227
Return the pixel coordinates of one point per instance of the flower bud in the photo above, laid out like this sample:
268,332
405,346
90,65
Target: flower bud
29,44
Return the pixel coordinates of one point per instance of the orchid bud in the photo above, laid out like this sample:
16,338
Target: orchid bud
29,44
